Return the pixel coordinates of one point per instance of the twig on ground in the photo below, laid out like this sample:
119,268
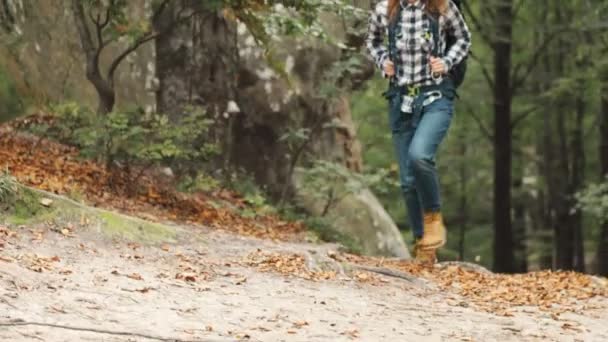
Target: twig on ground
17,323
4,301
390,273
31,336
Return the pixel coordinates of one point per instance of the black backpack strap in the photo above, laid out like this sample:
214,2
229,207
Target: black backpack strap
435,31
393,54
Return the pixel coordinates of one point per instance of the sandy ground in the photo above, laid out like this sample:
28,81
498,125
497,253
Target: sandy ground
101,290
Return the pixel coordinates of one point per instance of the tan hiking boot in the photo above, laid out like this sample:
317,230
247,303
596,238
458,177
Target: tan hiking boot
435,235
425,256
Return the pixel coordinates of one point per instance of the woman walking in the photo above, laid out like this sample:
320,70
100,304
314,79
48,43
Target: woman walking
427,42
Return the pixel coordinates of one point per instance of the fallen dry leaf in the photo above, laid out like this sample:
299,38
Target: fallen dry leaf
135,276
300,324
500,293
351,333
6,258
186,276
287,264
571,326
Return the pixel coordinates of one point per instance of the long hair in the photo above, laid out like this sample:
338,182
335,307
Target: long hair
433,7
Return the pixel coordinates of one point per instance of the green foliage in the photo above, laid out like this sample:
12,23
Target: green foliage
254,196
26,207
268,19
331,182
294,137
119,24
271,21
322,228
594,201
201,182
8,187
336,80
10,105
133,138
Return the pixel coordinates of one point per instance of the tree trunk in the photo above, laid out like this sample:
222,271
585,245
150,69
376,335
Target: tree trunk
564,234
463,198
569,249
209,64
197,64
105,91
547,233
519,224
602,249
503,237
578,176
544,229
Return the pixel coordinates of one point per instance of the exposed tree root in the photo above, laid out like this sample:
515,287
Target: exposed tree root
391,273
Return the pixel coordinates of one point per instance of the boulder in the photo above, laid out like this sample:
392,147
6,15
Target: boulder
361,217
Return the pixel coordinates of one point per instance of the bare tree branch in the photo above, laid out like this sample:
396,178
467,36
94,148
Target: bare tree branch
82,28
159,10
478,27
518,7
484,70
523,116
482,126
106,21
518,77
146,38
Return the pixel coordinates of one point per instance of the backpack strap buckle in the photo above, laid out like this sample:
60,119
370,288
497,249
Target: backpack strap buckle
413,90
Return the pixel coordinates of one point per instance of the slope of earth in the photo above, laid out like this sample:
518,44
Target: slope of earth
78,284
57,168
71,271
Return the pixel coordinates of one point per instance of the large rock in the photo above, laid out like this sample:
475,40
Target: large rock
361,217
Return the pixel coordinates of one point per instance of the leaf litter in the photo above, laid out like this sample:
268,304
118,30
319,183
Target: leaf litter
50,166
553,291
58,168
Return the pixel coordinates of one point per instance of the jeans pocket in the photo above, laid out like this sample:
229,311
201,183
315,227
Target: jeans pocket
395,116
443,105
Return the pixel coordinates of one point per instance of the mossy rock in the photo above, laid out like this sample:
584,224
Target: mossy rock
26,208
357,219
117,225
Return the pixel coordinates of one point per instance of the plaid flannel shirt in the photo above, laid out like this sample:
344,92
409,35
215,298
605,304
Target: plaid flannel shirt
414,41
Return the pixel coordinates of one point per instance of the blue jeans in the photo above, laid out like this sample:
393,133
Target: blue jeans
416,144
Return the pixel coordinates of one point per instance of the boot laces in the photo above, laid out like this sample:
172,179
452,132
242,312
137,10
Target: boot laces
432,217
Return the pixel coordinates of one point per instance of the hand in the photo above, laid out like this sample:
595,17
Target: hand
438,66
389,68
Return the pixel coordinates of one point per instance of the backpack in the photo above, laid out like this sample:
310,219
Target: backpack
457,72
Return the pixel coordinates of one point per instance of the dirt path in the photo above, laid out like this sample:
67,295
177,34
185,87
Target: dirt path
83,287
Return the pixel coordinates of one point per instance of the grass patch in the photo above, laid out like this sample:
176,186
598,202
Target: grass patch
8,187
25,208
134,229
